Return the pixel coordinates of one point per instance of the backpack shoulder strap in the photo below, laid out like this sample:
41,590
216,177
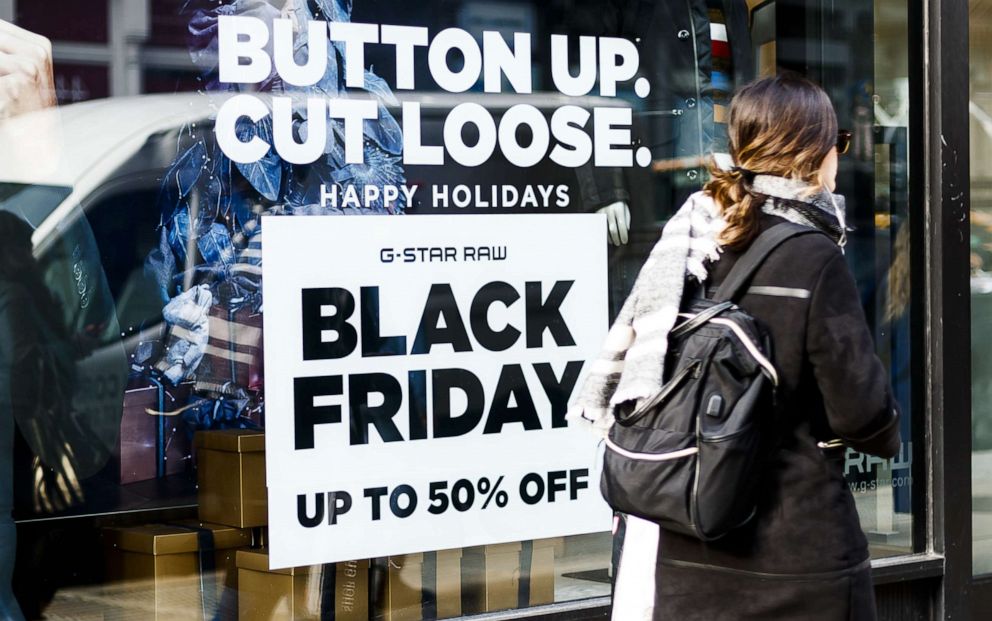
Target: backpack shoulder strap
747,265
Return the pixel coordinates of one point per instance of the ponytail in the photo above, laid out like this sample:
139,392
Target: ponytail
738,206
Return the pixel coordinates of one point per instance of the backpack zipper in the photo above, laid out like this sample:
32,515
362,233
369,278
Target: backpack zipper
692,450
692,370
763,362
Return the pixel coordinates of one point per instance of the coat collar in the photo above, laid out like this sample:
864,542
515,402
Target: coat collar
806,204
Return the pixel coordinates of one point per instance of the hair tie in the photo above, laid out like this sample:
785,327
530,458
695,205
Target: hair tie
743,173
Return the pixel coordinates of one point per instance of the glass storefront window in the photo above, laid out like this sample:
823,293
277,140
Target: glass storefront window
144,234
882,264
980,107
858,53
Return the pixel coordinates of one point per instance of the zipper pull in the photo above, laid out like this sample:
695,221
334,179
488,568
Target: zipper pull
832,444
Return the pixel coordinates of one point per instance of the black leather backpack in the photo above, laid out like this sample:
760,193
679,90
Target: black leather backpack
688,458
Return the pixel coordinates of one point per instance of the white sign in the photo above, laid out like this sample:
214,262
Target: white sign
417,374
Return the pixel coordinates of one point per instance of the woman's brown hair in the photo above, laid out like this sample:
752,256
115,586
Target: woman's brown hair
782,125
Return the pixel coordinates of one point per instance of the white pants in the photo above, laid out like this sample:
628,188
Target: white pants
633,595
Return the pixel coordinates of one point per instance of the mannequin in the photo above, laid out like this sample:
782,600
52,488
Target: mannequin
693,54
617,221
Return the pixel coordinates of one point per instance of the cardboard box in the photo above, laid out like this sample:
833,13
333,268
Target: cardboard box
408,587
448,583
418,586
298,594
508,575
231,477
491,578
542,571
153,442
175,571
401,597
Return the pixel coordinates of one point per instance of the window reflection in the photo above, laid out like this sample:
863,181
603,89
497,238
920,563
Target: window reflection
145,254
980,113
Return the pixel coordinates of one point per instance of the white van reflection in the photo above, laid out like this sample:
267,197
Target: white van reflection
96,216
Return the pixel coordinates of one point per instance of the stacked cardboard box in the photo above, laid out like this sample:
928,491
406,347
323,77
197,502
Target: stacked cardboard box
407,587
177,570
188,569
231,477
301,593
441,585
508,575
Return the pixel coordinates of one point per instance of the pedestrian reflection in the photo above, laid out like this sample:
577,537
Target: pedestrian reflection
37,365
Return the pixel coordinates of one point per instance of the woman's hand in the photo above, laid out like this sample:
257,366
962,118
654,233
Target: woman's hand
27,80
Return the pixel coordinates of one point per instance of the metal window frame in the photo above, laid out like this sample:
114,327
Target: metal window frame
945,92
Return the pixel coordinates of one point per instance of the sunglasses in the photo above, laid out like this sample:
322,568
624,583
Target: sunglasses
843,141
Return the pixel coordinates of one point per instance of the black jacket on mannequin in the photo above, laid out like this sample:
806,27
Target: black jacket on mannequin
676,119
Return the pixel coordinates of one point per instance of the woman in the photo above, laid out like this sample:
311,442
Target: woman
36,371
803,555
20,284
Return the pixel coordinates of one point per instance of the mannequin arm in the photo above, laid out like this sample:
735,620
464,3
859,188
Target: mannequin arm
617,221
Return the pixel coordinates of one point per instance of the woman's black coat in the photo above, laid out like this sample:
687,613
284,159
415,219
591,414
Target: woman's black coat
804,555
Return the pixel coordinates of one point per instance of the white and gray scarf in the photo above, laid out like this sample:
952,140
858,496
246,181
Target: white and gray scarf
631,363
796,202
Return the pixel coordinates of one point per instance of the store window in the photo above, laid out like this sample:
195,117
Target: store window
879,110
146,235
980,106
